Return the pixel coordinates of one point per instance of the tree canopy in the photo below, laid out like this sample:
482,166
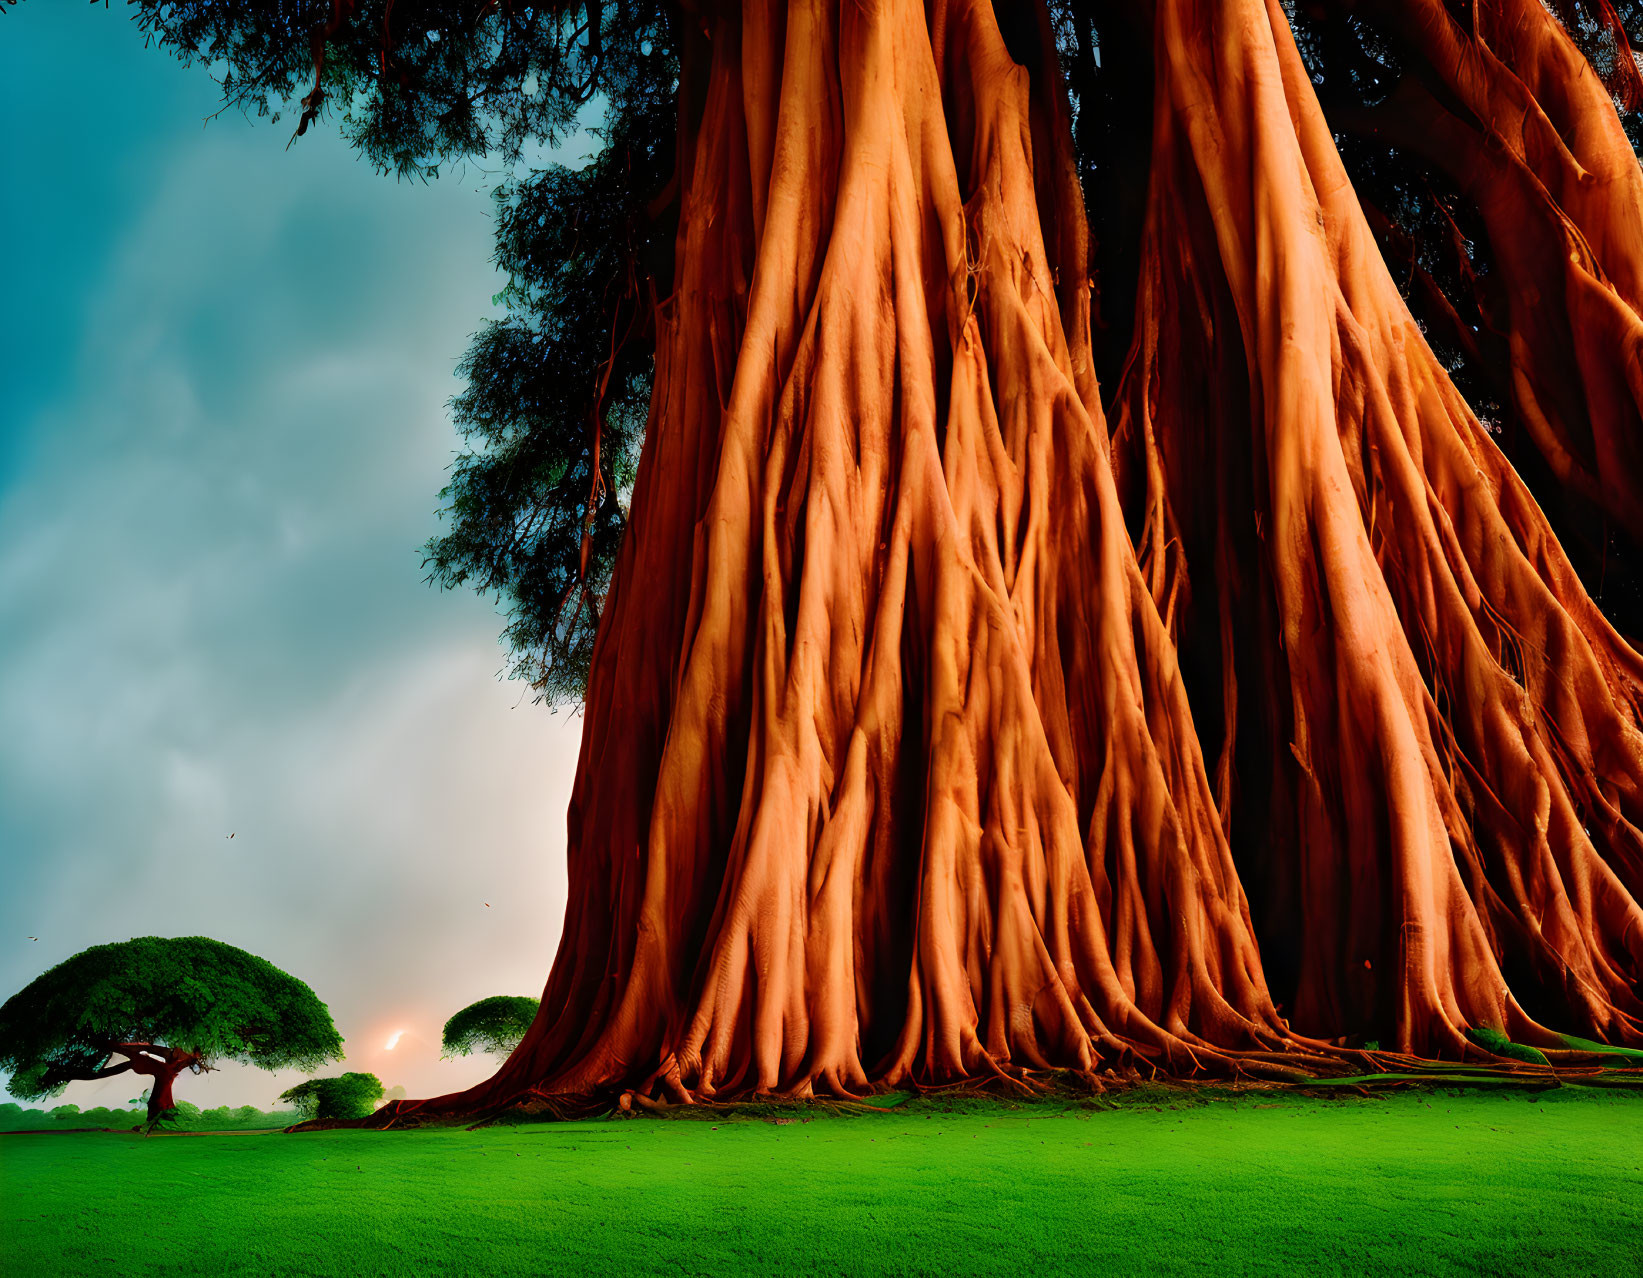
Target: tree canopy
346,1096
494,1024
202,999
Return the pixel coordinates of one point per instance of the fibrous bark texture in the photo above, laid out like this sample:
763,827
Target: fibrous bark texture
1459,719
891,774
1511,111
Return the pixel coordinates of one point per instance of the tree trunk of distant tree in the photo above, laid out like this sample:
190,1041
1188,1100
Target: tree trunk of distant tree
152,1060
162,1064
889,774
160,1101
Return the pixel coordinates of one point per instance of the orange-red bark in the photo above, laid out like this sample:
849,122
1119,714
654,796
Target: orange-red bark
889,773
1462,794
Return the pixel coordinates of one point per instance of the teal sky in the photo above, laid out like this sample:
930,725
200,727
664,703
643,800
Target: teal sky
222,433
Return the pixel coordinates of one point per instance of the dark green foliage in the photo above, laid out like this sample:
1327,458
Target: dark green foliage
190,992
346,1096
565,375
494,1024
451,79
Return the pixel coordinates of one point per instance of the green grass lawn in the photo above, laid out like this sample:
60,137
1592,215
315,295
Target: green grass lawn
1413,1183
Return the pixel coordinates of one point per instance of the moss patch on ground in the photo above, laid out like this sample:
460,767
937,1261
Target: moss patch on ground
1429,1182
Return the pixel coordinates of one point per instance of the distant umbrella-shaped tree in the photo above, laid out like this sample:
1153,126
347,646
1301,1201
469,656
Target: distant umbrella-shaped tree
494,1024
163,1005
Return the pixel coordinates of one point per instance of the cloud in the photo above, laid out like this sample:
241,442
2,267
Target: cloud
214,618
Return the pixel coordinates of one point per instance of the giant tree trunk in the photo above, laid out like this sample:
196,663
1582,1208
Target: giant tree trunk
889,773
1449,728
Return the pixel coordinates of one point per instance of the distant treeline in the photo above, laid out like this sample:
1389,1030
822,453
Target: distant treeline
186,1117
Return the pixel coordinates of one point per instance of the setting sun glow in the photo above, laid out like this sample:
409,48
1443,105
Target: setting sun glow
393,1039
